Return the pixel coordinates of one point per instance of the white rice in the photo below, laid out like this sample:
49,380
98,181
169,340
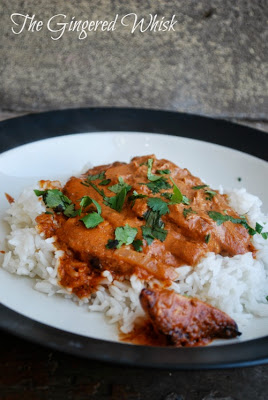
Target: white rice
237,285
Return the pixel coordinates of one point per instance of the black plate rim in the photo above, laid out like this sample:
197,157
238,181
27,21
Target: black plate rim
64,122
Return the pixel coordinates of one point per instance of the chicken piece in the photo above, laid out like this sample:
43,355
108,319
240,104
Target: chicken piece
186,321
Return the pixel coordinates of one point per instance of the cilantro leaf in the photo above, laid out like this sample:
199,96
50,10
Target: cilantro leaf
147,234
258,228
119,186
158,205
39,192
125,235
85,201
92,220
137,244
151,176
136,196
154,227
264,235
55,199
220,219
187,211
158,185
112,244
116,202
97,176
207,238
105,182
70,211
163,171
210,194
198,187
166,195
177,197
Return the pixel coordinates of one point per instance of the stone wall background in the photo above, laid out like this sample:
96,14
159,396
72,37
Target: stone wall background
214,64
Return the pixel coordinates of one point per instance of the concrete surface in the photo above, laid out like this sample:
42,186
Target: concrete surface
214,64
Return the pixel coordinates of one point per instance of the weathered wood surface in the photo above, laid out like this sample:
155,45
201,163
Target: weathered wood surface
31,372
214,64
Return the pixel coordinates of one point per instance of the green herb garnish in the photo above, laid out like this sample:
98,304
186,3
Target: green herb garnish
163,171
151,176
210,194
57,201
114,202
137,244
177,197
207,238
97,176
187,211
105,182
86,201
158,205
119,186
154,227
125,235
166,195
198,187
135,195
112,244
220,219
92,219
158,185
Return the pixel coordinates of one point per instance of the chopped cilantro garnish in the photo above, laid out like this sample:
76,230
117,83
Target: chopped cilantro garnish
151,176
158,205
70,211
40,192
49,212
258,228
210,194
112,244
92,220
158,185
105,182
266,298
207,238
154,228
135,195
264,235
97,176
199,187
137,244
220,219
119,186
166,195
114,202
125,235
55,199
187,211
86,201
177,197
163,171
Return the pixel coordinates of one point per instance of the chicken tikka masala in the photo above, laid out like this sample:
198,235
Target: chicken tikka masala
147,217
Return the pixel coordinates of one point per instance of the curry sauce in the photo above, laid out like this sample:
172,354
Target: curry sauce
189,231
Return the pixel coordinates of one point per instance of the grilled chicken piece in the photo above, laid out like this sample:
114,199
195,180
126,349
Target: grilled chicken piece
186,321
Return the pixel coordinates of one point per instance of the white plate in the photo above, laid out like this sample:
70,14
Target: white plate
61,157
